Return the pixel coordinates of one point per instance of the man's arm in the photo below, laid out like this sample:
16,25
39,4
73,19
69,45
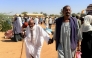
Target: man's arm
45,35
79,36
54,36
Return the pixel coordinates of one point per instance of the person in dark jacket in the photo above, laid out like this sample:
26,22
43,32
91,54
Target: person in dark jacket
66,34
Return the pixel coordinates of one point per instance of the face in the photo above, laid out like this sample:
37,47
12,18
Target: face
31,25
67,11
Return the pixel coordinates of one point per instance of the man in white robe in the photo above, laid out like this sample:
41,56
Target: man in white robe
19,20
35,36
36,20
17,27
47,22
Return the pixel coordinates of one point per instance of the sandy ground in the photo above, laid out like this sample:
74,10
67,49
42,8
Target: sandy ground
9,49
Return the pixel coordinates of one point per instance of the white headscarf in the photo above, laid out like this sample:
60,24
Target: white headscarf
87,24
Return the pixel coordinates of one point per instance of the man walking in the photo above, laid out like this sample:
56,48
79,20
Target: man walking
78,20
36,20
66,34
17,28
50,22
47,22
35,36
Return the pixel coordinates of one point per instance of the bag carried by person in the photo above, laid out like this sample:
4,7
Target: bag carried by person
77,54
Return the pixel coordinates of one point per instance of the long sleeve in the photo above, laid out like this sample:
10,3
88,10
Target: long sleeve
19,21
79,32
54,36
26,33
44,34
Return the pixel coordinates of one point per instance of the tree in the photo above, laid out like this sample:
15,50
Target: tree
57,15
35,13
78,13
44,14
41,12
24,12
61,12
51,14
6,26
5,22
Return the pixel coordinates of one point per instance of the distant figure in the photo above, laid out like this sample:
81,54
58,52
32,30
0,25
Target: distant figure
17,28
55,19
50,22
28,18
36,20
78,20
41,20
47,22
24,27
82,20
25,23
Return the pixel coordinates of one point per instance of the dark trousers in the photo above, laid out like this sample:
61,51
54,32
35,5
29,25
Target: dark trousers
50,26
17,37
41,23
86,45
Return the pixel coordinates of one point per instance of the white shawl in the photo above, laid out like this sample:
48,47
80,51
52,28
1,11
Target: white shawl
34,47
28,35
87,24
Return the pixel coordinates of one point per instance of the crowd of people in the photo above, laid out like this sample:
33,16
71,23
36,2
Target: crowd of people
19,22
73,35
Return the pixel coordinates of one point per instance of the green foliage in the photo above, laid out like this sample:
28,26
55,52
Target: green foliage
51,15
6,26
41,12
35,13
74,14
24,12
61,12
45,14
54,15
5,22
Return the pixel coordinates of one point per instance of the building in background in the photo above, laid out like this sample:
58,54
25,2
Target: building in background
31,15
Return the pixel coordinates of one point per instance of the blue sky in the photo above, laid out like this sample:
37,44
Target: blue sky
47,6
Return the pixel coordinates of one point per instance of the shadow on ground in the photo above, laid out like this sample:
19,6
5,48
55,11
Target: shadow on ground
7,41
3,37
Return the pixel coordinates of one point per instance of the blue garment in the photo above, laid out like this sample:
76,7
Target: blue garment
40,19
49,29
73,34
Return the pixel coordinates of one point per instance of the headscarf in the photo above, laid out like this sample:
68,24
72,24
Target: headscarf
87,24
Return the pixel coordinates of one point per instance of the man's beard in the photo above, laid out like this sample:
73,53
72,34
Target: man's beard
31,27
68,14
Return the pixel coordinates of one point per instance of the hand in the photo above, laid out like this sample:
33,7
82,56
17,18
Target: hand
79,48
31,56
50,41
79,45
